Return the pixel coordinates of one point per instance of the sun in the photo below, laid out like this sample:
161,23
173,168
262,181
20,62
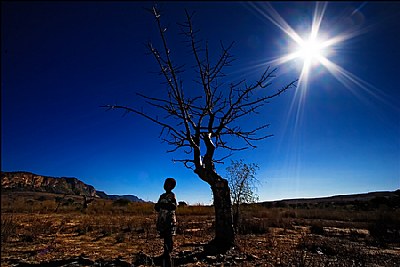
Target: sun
312,52
313,48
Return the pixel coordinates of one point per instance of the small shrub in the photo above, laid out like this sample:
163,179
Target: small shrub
36,228
147,225
106,231
120,238
84,227
385,230
28,238
317,229
252,226
182,204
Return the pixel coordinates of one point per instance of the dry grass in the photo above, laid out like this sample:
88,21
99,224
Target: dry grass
33,232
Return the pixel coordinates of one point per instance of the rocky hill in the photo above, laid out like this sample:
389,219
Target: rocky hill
27,181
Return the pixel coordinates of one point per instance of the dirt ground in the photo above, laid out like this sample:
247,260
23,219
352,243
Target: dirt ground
87,240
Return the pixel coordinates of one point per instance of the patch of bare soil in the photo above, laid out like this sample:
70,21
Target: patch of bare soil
83,240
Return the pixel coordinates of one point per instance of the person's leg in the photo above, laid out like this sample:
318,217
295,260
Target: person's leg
169,243
168,246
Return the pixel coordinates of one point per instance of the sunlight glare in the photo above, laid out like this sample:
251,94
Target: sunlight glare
311,50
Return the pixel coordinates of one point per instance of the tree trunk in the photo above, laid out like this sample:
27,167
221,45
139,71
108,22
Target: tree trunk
236,216
224,233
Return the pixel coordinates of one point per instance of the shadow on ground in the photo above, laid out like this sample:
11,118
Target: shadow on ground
200,254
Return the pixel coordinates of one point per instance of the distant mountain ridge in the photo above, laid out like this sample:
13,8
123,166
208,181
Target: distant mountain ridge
132,198
339,198
27,181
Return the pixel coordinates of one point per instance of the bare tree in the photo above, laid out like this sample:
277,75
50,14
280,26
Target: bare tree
86,202
200,124
243,184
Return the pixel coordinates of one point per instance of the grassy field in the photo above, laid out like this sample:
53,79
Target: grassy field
40,229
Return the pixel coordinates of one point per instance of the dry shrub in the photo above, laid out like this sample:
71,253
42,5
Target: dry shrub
253,226
120,238
99,206
317,229
87,225
386,229
8,227
36,227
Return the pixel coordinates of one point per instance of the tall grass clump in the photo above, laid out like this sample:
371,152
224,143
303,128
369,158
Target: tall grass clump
8,228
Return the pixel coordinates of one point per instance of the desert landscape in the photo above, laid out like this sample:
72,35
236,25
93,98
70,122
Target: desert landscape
47,229
225,104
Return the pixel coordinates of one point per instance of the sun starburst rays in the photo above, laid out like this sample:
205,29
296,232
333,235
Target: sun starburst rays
313,49
312,53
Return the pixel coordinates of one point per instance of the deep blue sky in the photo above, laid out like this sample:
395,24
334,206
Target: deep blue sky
62,60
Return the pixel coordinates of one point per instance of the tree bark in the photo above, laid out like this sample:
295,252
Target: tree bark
236,216
224,232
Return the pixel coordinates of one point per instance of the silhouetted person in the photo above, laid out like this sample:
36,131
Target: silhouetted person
166,221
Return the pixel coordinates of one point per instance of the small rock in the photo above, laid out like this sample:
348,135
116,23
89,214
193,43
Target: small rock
238,258
184,253
252,257
220,257
211,259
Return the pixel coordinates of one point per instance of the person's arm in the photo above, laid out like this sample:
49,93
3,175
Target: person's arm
173,202
157,205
